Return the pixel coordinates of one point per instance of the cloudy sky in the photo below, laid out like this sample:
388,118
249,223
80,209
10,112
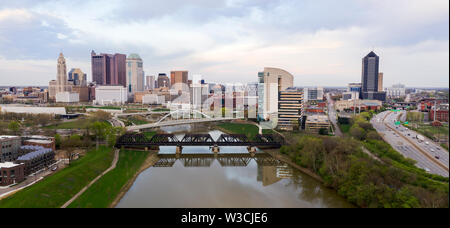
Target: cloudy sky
321,42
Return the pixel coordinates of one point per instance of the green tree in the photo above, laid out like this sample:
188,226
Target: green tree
357,132
100,130
323,131
14,126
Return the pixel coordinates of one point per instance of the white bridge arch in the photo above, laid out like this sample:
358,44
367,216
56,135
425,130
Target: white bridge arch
181,111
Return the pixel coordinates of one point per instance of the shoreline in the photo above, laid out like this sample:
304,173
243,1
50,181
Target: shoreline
153,158
149,162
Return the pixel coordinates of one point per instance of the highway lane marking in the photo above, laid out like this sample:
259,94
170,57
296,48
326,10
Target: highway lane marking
417,147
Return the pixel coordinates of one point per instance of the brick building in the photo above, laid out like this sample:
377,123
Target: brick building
38,159
11,173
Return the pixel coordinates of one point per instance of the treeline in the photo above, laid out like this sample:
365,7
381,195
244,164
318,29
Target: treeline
28,119
97,130
414,116
392,182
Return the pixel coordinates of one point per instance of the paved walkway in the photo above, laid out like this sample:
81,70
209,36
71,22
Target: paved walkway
113,165
29,180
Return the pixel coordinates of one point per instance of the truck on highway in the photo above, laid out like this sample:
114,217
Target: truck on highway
420,138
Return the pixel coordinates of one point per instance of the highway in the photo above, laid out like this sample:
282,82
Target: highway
429,155
332,116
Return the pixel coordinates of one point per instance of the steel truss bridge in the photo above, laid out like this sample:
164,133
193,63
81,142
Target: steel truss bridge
140,140
225,160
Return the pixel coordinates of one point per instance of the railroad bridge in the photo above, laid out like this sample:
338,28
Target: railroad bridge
139,140
225,160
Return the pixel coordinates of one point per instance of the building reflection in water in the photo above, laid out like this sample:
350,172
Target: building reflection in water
269,171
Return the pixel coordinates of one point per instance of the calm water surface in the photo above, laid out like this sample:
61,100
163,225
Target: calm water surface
232,178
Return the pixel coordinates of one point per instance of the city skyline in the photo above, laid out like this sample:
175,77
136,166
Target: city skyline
317,51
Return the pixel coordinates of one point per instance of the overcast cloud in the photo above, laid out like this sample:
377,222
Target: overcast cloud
320,42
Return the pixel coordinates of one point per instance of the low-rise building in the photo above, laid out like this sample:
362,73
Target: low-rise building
313,94
314,123
153,99
350,96
110,95
440,113
11,173
38,159
67,97
396,91
33,110
9,148
38,140
350,105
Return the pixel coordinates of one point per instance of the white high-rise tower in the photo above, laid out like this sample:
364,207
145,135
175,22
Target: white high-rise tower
61,78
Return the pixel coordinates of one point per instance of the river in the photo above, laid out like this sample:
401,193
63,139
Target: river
231,178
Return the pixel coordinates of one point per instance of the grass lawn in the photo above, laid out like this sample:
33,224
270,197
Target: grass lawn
137,121
55,190
161,110
76,124
249,130
105,107
106,189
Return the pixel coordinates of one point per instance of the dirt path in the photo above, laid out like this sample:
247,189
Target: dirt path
113,165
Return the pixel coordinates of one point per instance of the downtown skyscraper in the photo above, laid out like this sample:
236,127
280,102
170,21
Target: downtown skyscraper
135,74
369,78
109,69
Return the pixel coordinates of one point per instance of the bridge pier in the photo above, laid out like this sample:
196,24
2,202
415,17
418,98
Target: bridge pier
251,149
215,149
179,149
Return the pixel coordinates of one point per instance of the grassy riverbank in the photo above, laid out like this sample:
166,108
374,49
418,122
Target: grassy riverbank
393,181
362,180
55,190
249,130
110,185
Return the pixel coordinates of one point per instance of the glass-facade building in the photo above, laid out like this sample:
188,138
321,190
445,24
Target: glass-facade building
369,78
109,69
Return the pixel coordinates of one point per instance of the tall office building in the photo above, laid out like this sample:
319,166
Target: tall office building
163,81
150,82
290,109
380,81
313,94
271,82
59,85
77,77
177,79
109,69
369,78
135,74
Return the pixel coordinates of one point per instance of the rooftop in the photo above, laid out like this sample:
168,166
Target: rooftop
317,119
34,154
8,165
39,141
8,136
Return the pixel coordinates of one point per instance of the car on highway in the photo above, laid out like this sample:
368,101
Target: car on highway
437,148
437,157
427,143
432,150
427,169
